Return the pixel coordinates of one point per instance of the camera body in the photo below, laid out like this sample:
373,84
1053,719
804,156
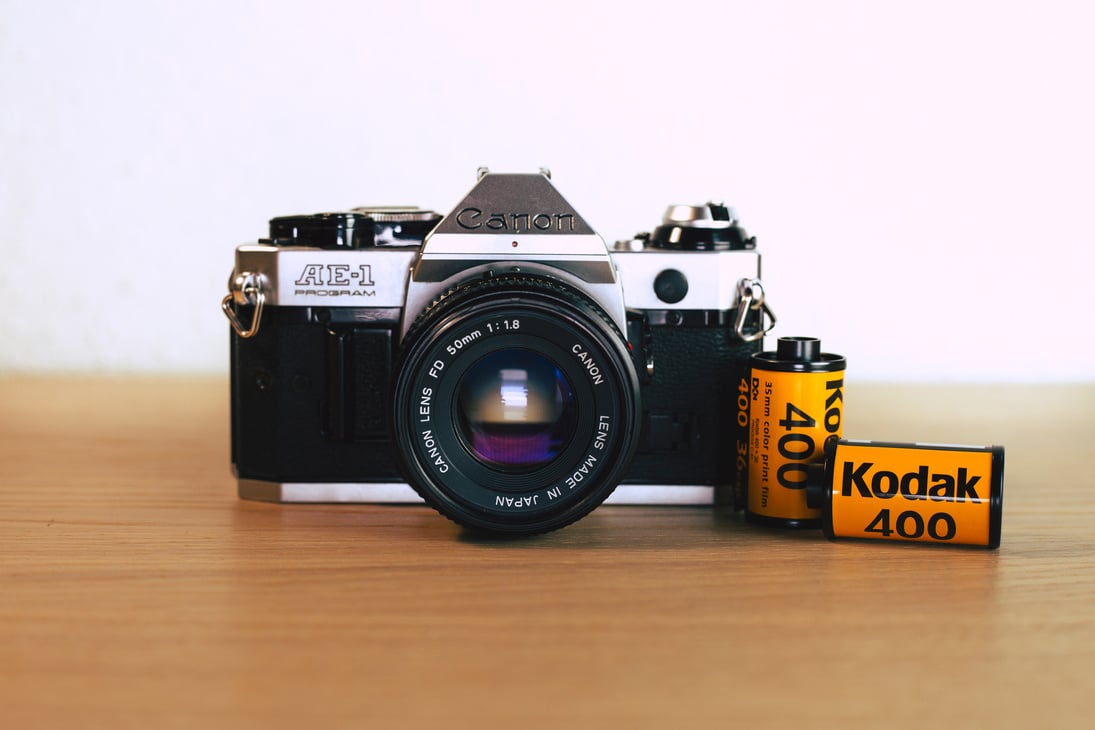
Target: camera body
501,363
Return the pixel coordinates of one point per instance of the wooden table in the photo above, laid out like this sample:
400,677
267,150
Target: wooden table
137,590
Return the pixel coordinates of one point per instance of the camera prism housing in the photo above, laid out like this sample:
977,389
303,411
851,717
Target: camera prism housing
500,363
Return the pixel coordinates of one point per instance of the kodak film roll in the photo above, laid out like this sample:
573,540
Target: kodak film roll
911,492
796,404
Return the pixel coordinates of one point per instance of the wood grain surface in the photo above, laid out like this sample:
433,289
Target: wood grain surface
136,590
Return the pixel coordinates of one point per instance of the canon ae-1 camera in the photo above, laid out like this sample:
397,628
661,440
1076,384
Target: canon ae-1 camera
500,363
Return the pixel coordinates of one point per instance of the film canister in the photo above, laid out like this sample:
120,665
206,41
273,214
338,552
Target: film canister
796,404
935,493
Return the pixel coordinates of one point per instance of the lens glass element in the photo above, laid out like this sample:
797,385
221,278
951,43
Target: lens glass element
515,409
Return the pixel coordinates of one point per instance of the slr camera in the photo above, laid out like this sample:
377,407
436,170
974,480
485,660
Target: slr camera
500,363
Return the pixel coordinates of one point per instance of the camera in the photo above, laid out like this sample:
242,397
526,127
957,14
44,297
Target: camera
501,363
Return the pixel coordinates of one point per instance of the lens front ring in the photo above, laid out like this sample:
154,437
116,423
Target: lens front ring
497,318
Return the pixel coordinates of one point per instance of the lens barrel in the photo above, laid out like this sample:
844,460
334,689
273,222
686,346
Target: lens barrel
516,405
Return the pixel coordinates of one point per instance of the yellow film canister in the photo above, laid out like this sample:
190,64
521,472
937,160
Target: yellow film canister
796,404
933,493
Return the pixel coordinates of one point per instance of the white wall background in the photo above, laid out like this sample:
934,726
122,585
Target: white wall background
919,175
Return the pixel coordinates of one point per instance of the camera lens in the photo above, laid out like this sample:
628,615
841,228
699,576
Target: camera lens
515,407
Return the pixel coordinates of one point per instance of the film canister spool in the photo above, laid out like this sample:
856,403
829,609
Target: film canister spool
796,404
933,493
